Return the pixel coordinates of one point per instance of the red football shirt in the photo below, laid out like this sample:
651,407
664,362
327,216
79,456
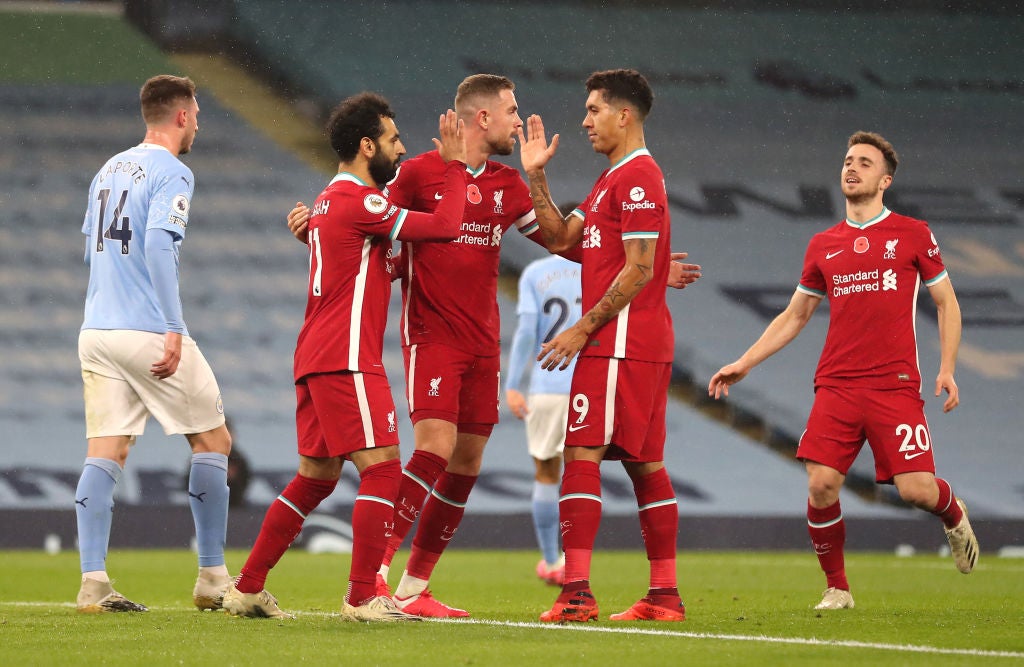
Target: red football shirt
628,202
351,227
871,274
450,290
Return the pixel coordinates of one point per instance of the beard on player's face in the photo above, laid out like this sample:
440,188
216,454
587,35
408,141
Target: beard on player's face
860,191
382,167
505,147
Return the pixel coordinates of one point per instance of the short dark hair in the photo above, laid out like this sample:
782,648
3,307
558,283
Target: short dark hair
626,85
881,143
354,118
161,93
477,85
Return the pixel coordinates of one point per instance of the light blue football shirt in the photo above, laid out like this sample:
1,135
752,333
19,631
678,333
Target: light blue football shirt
142,188
550,298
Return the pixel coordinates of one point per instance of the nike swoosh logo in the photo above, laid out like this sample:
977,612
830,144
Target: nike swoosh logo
912,456
437,195
577,427
830,255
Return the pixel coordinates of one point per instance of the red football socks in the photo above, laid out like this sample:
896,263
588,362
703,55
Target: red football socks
281,525
659,525
579,511
947,508
372,516
421,473
441,517
828,535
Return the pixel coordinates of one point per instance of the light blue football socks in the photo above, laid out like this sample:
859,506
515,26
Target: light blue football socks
545,520
94,508
208,497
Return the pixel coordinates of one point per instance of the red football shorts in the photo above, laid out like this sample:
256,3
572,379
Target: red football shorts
620,403
340,413
891,420
444,382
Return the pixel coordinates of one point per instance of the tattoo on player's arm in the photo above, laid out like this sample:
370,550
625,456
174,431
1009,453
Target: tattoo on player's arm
539,193
608,301
607,308
596,319
645,274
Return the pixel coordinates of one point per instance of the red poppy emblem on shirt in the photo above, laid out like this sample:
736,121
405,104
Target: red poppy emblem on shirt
861,244
473,195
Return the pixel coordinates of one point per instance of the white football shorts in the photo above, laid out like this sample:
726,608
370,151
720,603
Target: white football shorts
545,424
121,393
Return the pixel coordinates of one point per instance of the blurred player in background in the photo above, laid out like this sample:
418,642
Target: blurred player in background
868,384
344,405
549,299
624,340
136,353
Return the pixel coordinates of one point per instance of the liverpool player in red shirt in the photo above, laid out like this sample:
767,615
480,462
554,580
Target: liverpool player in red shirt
345,410
450,330
867,385
624,340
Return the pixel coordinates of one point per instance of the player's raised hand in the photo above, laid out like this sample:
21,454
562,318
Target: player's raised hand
298,221
680,273
534,150
452,144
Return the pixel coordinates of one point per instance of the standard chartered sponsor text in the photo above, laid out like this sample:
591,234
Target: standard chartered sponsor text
483,230
851,283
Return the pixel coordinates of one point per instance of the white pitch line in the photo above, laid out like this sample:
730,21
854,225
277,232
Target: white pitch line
907,648
622,630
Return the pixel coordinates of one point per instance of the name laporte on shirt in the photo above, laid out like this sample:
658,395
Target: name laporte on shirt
132,169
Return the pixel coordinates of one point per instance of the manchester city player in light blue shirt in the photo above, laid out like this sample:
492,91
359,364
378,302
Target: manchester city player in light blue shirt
137,356
550,299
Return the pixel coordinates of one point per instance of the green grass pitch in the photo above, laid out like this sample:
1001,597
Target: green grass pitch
742,609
